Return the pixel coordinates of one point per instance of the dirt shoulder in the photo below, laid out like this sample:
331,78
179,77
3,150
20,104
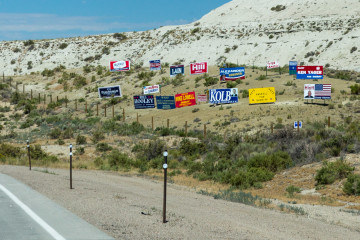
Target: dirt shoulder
131,208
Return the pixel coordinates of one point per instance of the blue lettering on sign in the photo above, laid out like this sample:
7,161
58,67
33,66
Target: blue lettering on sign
222,96
174,70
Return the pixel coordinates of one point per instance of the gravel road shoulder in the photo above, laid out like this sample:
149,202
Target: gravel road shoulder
131,208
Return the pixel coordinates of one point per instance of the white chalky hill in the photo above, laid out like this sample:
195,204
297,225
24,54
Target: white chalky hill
316,32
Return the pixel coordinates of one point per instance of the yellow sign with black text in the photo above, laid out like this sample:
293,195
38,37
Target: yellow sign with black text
262,95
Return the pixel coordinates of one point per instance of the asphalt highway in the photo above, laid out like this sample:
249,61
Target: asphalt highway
26,214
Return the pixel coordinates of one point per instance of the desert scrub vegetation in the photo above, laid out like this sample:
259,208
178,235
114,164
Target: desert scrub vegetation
278,8
241,160
332,171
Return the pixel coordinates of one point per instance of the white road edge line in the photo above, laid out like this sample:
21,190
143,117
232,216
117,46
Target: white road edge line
33,215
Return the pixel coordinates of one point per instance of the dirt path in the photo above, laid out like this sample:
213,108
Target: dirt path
131,208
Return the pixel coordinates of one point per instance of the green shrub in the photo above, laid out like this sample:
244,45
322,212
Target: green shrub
278,8
210,81
352,185
117,160
105,50
29,43
36,152
261,77
63,45
120,36
79,151
153,149
195,30
353,49
55,133
80,139
246,179
8,150
231,84
190,148
292,189
79,81
97,135
274,162
331,171
103,147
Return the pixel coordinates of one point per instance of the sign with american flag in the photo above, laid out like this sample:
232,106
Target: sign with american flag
317,91
322,91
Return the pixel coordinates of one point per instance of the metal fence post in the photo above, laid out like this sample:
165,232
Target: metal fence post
165,166
28,147
70,166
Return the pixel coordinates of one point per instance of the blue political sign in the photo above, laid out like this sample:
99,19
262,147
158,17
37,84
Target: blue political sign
176,69
232,73
292,67
109,92
220,96
146,101
165,102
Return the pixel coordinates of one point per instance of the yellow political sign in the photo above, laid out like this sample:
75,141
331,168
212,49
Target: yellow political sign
262,95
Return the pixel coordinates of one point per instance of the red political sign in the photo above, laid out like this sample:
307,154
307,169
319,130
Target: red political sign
198,68
119,66
185,99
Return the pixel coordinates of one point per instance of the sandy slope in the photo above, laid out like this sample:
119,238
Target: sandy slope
327,29
131,208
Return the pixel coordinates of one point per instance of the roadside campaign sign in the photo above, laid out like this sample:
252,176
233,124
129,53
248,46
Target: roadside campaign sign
198,68
152,89
155,65
141,102
222,96
317,91
262,95
119,66
108,92
274,64
202,98
292,67
309,72
165,102
185,99
231,74
176,69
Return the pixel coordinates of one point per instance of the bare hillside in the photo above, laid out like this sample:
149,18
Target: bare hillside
247,32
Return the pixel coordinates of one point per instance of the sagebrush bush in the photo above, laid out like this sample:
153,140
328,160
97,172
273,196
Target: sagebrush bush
8,150
151,150
103,147
55,133
331,171
352,185
117,160
292,189
80,139
97,135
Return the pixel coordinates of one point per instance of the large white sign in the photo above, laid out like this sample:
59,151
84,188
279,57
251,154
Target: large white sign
274,64
151,89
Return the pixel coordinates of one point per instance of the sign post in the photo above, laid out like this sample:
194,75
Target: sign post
28,147
70,166
165,166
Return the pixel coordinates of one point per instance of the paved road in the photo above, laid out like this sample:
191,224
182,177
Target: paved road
26,214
